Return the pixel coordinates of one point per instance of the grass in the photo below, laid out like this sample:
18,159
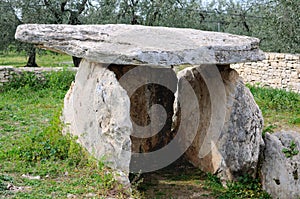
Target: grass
179,179
43,58
281,109
245,187
31,144
184,180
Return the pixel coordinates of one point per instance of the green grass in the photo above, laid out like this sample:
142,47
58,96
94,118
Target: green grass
31,143
183,179
245,187
281,109
44,59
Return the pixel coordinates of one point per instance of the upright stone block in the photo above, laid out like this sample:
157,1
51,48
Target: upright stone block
228,139
96,110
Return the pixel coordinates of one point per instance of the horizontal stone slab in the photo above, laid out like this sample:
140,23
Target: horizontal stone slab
142,45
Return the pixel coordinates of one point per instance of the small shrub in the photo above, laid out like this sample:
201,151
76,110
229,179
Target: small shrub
76,154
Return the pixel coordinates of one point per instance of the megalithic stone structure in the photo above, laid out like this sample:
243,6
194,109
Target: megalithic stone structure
128,105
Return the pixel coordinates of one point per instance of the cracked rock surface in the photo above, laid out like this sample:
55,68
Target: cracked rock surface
96,109
280,171
231,150
136,45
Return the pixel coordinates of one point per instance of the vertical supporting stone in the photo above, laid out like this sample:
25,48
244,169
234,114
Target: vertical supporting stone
241,139
236,151
202,100
96,109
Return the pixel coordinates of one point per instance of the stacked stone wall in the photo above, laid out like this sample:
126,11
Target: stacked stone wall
278,70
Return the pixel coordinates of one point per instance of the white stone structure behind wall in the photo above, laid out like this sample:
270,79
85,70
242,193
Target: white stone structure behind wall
278,70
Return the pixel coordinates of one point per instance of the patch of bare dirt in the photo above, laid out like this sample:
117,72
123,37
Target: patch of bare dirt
180,180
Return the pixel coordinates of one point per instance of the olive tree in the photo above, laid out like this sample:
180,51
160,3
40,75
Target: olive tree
16,12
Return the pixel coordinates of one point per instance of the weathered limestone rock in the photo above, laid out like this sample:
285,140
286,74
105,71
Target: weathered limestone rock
136,45
121,104
280,174
232,149
96,109
241,138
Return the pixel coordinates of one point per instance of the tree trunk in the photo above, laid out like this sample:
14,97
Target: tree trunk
76,61
31,58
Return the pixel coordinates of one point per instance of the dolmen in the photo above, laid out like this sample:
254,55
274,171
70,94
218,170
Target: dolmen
145,96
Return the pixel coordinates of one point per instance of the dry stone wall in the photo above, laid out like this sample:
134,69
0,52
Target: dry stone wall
278,70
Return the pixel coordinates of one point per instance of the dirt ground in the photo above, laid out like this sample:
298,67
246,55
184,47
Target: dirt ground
180,180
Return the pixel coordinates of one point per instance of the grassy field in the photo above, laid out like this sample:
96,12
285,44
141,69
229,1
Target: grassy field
281,109
43,58
32,146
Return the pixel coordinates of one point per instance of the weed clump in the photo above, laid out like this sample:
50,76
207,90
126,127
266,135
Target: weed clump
49,144
275,99
281,109
56,80
244,187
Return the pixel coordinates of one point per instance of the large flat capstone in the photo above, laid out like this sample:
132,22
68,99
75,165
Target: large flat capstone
136,45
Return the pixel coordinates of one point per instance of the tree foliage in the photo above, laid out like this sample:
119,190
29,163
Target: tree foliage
275,22
14,13
8,24
286,19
